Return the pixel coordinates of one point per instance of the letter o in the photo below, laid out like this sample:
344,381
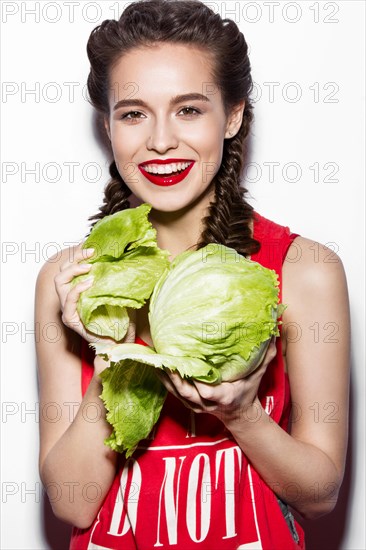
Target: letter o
58,491
288,166
45,333
258,9
297,247
85,12
86,489
296,412
47,257
45,174
298,95
258,175
45,409
297,335
45,92
256,92
45,12
85,172
250,332
96,416
256,417
298,12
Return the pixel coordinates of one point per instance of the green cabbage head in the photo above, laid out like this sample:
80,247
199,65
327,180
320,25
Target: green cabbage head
212,316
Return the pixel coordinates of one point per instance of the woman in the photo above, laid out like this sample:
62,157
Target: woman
172,81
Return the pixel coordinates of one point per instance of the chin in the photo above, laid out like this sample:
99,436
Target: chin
164,202
170,206
175,200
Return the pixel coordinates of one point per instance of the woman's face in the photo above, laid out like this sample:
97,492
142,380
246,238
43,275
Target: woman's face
149,122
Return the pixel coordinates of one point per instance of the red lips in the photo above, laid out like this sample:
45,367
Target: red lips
163,180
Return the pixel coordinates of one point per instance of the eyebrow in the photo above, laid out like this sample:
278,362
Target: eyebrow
174,101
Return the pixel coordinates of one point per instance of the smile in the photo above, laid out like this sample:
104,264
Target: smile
165,173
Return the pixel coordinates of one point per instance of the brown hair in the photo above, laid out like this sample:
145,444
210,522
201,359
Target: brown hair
146,22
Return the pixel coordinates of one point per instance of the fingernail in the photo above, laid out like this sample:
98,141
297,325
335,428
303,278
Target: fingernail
88,251
85,266
88,281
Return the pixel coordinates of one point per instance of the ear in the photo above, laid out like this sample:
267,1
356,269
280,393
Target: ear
107,127
234,120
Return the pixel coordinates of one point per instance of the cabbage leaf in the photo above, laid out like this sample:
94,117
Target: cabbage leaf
134,397
126,266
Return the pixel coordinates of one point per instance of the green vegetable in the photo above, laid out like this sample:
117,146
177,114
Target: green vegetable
212,315
126,266
135,397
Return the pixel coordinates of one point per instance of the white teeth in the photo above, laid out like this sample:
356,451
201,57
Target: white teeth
166,168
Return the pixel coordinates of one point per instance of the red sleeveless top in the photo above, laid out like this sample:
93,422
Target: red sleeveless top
189,486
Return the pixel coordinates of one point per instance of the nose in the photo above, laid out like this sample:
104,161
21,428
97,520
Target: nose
162,137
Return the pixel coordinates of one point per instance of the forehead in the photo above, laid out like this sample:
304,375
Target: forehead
163,70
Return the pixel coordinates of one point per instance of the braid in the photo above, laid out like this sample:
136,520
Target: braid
229,215
116,195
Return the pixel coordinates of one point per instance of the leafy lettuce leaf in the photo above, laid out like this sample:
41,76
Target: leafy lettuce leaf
114,235
134,397
126,266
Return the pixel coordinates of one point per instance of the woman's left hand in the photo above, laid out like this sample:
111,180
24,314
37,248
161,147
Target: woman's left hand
227,400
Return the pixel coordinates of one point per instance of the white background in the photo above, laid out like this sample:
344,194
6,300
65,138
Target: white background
312,53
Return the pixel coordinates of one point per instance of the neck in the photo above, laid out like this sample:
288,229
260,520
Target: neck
180,230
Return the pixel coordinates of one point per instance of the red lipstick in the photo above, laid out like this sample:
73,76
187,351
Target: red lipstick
166,180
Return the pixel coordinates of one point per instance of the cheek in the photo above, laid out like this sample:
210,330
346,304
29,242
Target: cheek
214,150
209,138
124,136
123,151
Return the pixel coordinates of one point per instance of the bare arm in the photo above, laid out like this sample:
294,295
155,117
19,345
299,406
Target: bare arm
305,468
76,467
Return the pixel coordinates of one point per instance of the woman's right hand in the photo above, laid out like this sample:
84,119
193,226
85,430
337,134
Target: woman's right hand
69,295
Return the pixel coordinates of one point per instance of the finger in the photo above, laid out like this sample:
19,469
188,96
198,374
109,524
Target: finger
210,393
185,388
77,255
170,378
208,400
67,275
63,281
131,330
271,351
169,385
166,381
70,305
189,395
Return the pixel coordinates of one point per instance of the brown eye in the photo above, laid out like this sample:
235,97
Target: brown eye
127,115
191,111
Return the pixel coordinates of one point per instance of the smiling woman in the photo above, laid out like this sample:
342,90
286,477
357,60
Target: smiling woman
191,127
224,463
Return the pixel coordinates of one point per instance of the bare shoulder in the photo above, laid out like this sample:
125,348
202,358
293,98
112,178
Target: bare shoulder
312,273
314,289
52,266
